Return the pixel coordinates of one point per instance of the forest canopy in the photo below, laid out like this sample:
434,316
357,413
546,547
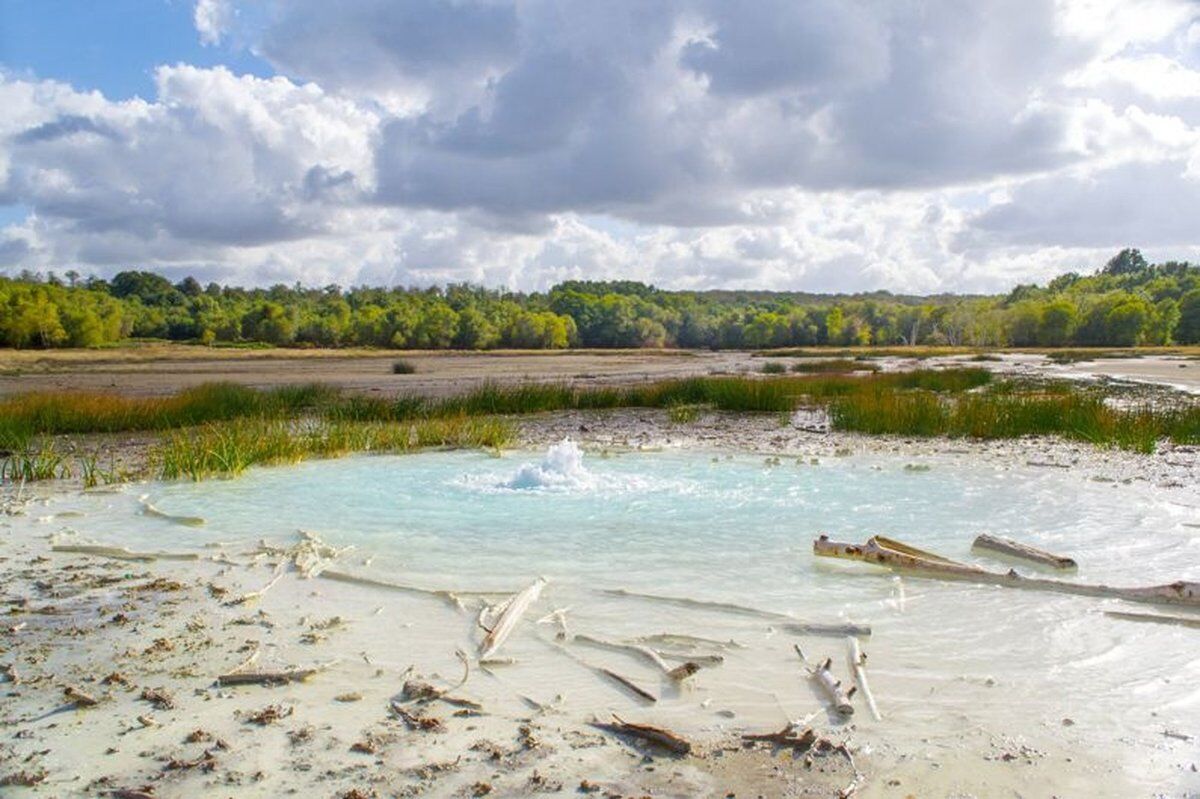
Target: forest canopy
1127,302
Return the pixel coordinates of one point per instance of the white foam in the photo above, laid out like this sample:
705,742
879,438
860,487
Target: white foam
561,468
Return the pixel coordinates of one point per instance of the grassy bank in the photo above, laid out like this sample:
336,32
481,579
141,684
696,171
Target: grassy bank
1003,414
223,428
25,416
54,413
231,448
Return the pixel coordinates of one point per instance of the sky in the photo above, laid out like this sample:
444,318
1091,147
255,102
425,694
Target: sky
917,146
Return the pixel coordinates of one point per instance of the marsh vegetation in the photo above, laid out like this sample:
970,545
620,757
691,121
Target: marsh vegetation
224,428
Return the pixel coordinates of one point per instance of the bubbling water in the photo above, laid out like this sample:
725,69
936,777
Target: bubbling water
560,469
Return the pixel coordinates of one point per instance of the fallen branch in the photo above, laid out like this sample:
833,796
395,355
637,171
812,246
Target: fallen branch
828,630
120,553
699,603
787,738
908,549
1182,621
250,596
265,677
1180,593
627,684
694,658
186,521
449,597
858,665
558,617
78,698
683,641
832,686
676,673
417,722
417,690
507,620
624,682
1015,549
646,732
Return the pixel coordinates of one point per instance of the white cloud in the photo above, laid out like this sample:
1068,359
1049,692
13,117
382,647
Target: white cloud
212,19
827,145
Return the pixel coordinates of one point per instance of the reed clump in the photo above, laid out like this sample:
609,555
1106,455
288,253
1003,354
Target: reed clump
54,413
228,449
1002,414
834,366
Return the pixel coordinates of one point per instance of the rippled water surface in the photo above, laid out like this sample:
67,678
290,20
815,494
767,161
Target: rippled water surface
738,529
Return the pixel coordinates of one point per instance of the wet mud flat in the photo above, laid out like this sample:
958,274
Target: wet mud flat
112,664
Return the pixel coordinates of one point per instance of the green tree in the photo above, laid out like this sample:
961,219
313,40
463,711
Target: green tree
1187,329
1059,318
1127,261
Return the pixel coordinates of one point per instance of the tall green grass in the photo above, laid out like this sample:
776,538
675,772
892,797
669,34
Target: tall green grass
833,366
221,429
994,415
228,449
53,413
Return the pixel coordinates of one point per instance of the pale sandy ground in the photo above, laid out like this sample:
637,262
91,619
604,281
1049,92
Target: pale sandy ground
1180,373
165,370
438,374
75,620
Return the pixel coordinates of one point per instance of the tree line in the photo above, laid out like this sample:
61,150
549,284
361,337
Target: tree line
1127,302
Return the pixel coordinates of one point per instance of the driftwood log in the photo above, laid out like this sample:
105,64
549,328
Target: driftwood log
858,665
120,553
629,685
186,521
506,621
789,737
265,677
451,598
702,604
1155,618
875,552
828,630
646,732
1015,549
689,667
830,684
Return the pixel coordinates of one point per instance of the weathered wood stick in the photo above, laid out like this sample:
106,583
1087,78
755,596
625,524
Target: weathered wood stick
699,603
1179,593
250,596
623,682
788,737
79,698
858,664
507,621
695,658
120,553
828,630
833,687
265,677
908,549
627,684
646,732
1182,621
683,641
186,521
1015,549
449,597
643,652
